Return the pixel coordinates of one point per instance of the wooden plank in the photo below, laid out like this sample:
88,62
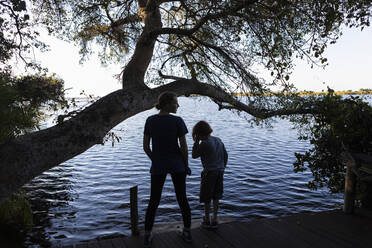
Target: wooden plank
295,233
81,245
93,244
156,242
263,236
209,240
367,179
105,243
325,237
349,194
212,235
134,241
363,158
118,243
250,239
330,233
204,240
235,236
355,230
366,168
134,210
332,229
173,239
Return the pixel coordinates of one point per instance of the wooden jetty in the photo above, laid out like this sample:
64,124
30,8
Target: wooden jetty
323,229
350,228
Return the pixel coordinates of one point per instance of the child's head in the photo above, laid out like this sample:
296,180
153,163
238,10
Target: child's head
201,129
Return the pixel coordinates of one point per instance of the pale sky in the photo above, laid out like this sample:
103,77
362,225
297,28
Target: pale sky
350,67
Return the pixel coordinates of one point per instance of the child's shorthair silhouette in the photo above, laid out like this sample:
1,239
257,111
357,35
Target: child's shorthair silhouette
213,156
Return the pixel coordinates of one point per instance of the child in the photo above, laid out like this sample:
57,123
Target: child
213,156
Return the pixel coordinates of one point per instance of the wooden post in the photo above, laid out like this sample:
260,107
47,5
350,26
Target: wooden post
134,210
349,195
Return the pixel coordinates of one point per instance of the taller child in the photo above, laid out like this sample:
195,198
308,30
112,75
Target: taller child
168,154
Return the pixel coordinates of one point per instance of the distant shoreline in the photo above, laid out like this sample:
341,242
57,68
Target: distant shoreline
301,93
314,93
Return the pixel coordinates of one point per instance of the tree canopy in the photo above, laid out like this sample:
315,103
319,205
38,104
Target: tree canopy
201,47
217,42
23,97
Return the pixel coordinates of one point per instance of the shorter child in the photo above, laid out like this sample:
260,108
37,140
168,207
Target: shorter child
213,156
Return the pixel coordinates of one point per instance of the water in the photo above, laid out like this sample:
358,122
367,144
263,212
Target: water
87,197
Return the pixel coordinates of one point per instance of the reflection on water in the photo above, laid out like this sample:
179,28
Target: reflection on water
87,197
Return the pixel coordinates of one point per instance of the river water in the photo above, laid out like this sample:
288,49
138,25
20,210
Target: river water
87,197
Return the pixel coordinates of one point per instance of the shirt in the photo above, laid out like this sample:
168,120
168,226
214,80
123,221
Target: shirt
212,153
164,131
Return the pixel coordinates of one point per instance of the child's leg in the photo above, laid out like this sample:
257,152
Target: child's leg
205,196
215,210
218,192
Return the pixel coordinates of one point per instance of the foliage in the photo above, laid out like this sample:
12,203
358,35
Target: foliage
339,124
16,213
218,42
17,36
24,100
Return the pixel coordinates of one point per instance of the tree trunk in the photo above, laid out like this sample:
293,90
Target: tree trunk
134,72
29,155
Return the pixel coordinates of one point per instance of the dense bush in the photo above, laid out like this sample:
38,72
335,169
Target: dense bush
339,124
16,212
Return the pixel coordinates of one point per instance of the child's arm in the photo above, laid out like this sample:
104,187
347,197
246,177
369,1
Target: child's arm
196,149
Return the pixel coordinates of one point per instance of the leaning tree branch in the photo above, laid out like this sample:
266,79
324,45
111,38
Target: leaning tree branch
183,86
27,156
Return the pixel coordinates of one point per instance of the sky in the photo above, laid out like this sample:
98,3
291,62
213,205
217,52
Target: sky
350,67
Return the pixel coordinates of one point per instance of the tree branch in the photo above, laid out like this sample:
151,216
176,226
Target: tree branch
192,86
126,20
179,31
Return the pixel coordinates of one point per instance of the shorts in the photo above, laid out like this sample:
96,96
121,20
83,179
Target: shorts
211,186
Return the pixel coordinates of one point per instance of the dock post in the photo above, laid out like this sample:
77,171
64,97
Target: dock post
134,210
349,194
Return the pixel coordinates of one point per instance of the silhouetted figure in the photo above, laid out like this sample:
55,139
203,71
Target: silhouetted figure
214,157
165,131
